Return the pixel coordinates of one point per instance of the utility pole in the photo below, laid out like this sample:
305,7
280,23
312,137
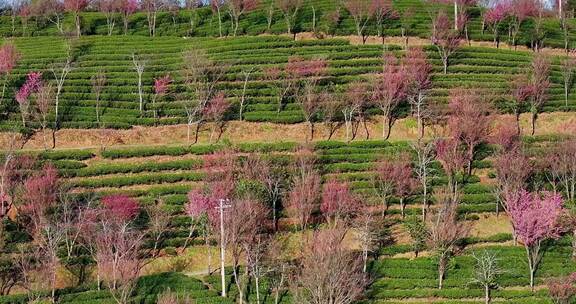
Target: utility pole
223,204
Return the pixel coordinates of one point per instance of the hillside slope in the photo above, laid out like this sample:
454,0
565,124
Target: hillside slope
472,67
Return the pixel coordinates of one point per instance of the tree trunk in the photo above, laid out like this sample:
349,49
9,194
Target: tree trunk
402,207
125,25
238,285
257,281
441,270
574,244
77,18
487,294
534,117
365,259
219,22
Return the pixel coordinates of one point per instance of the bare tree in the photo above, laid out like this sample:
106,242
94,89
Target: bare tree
139,66
98,82
246,74
158,224
562,162
567,69
60,72
44,104
289,9
486,272
237,8
424,157
152,7
331,109
367,226
244,221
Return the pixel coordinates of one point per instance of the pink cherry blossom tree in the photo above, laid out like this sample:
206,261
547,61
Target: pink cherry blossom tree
362,12
40,193
120,207
161,87
418,72
32,85
513,168
304,197
535,218
338,204
390,91
215,112
118,245
444,38
540,81
452,156
520,11
444,232
469,121
237,8
76,7
127,8
404,182
383,183
110,9
494,17
9,57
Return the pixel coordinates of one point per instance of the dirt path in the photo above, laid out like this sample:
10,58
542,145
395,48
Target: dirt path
417,41
242,132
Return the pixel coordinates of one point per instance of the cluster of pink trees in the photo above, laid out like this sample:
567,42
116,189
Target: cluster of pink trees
532,90
232,210
364,11
62,228
402,81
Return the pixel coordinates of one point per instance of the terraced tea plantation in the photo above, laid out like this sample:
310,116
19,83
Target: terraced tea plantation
318,16
168,173
287,152
485,69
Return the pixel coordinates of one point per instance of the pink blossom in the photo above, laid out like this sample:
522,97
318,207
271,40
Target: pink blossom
298,67
200,204
128,7
120,206
216,108
417,68
534,216
40,191
75,5
161,85
24,11
32,84
498,13
9,56
337,200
